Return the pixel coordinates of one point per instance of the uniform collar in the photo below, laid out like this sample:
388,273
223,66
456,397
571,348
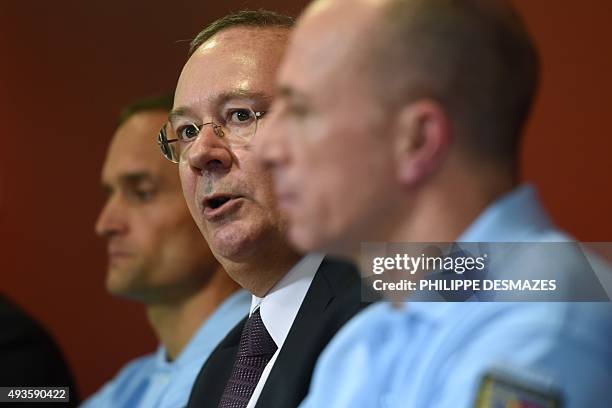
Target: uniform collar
207,336
511,218
514,217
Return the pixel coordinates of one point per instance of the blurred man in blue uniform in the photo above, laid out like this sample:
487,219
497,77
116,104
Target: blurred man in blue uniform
400,121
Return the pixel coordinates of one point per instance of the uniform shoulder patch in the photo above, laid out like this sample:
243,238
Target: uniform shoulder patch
501,388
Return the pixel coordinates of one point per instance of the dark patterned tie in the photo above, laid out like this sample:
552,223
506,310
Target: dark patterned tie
255,350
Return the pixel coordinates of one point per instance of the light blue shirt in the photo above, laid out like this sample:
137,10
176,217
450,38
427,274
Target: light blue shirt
433,355
153,382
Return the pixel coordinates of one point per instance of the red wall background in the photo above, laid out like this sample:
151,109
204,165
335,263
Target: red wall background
67,68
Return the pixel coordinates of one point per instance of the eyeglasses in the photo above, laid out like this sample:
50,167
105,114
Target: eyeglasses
239,127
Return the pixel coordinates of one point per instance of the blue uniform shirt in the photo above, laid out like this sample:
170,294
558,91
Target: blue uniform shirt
153,382
427,355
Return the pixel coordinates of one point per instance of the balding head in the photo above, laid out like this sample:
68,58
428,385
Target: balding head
401,96
474,56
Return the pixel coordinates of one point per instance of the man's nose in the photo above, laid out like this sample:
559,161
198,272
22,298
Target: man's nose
209,152
111,220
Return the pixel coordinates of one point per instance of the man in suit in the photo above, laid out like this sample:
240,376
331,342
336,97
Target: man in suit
299,302
408,131
156,256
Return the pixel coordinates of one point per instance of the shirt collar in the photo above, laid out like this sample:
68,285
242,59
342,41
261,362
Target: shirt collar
511,218
210,333
514,217
281,304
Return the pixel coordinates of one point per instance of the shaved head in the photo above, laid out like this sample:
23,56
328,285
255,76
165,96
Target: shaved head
475,57
406,99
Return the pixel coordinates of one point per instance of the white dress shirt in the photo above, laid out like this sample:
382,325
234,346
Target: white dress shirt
280,306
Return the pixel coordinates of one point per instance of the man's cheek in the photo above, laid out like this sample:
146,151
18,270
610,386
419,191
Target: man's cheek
188,188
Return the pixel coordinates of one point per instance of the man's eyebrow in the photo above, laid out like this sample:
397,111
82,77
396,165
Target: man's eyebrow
132,179
221,99
286,92
128,179
136,177
176,113
241,94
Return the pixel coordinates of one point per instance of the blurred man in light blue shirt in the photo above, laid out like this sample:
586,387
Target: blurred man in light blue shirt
408,130
426,354
158,257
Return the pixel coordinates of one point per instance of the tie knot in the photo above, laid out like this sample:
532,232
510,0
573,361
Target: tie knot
255,339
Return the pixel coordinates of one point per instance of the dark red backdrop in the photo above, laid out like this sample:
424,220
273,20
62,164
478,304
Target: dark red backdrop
68,67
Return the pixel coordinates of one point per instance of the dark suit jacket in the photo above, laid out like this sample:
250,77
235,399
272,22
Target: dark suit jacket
332,299
28,355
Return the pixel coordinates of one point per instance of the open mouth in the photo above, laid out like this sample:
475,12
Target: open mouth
220,205
217,202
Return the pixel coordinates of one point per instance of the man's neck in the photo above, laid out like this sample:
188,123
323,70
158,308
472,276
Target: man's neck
264,269
175,323
446,209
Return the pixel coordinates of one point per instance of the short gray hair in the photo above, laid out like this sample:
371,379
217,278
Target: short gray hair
244,18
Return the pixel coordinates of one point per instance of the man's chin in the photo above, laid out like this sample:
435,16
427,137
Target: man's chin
237,242
235,250
119,283
129,293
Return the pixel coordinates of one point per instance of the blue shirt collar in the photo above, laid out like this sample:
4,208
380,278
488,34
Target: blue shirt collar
511,218
200,343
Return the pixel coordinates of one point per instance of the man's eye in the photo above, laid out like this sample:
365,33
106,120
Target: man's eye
187,132
142,195
241,116
297,110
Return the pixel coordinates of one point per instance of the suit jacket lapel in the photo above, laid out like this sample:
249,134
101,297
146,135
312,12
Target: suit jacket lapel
289,379
210,382
333,297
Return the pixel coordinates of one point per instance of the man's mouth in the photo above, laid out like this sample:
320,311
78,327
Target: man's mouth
220,205
116,254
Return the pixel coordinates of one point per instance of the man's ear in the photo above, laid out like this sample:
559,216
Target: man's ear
422,135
